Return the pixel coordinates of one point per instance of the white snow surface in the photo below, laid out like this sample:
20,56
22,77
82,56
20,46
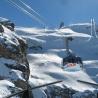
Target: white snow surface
4,91
45,66
45,52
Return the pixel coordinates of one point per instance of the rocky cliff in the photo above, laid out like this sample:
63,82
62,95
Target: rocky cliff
14,66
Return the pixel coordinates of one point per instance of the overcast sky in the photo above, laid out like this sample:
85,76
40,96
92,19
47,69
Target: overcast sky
52,11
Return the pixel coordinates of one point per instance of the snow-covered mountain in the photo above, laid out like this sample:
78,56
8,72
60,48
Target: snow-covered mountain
45,51
14,68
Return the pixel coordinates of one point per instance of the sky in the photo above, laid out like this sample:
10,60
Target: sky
51,12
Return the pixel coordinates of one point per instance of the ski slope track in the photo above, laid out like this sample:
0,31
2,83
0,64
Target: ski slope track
46,50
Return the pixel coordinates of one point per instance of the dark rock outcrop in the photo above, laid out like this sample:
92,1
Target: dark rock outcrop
13,61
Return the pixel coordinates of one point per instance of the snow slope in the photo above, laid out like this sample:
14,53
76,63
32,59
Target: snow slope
46,62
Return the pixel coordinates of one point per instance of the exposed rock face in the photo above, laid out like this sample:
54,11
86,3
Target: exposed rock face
14,65
60,92
7,23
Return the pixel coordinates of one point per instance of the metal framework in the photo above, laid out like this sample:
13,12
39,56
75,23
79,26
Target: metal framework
21,92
